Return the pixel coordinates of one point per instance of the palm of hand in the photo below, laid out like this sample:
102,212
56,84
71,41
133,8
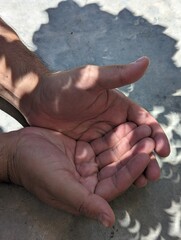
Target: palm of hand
77,176
81,103
75,105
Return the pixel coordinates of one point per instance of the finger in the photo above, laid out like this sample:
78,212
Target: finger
122,145
96,207
110,77
141,116
152,172
141,181
112,138
75,198
146,145
113,186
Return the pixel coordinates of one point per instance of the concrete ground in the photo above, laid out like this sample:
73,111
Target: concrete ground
67,34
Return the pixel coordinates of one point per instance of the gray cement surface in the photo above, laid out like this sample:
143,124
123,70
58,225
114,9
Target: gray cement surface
67,34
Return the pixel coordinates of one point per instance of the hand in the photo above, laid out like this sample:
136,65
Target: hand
77,176
79,103
82,104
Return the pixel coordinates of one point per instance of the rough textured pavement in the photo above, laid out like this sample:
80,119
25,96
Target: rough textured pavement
67,34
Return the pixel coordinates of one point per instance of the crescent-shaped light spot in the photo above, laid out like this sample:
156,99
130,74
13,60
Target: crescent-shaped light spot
135,228
125,222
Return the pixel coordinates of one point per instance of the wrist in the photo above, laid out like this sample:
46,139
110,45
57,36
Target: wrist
8,142
20,69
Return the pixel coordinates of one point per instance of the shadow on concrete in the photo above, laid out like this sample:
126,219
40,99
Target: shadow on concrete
77,36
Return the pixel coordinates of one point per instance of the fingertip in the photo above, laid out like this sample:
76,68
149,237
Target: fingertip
94,206
136,68
145,129
143,59
153,175
143,62
162,147
152,172
141,181
106,220
122,75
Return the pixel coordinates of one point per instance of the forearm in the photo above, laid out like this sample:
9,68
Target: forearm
20,69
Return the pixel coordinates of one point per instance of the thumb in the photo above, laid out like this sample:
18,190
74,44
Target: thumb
115,76
96,207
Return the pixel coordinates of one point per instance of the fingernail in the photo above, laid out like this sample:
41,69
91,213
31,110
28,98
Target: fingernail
103,218
141,58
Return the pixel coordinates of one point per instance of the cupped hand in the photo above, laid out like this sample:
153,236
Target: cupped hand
82,103
78,176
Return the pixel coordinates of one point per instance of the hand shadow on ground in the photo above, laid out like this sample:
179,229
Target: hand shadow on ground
77,36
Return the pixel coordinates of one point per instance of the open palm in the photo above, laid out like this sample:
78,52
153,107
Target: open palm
77,176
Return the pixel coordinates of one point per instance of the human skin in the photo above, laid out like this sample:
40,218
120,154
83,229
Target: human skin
81,103
74,175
